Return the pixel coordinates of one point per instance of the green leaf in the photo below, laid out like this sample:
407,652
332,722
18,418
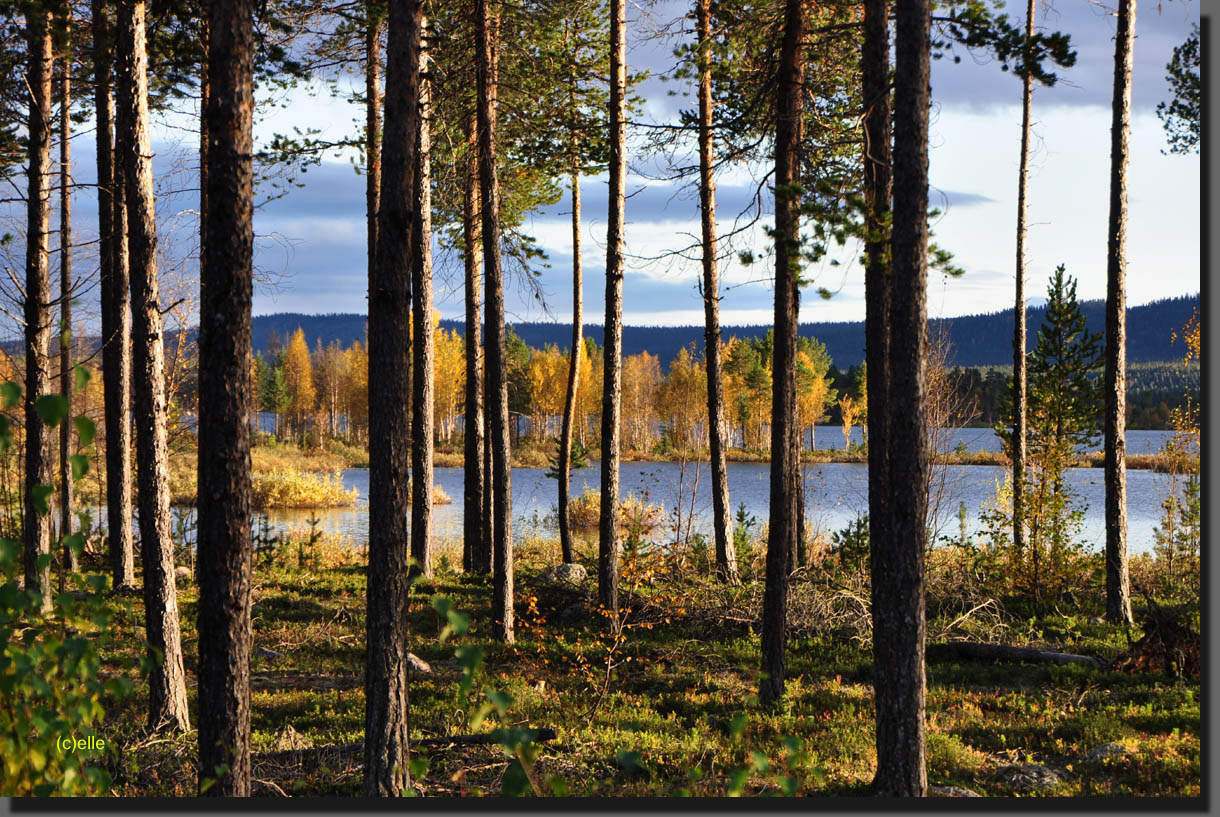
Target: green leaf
80,465
11,394
52,408
81,377
500,700
516,782
86,430
75,541
39,494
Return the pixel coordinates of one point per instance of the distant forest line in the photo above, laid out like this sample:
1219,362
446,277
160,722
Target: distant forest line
975,340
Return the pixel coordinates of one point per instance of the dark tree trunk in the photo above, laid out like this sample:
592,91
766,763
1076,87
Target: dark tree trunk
486,23
1118,591
1019,332
116,321
476,545
167,681
423,347
899,623
205,92
569,403
722,520
612,369
226,393
38,473
70,561
876,93
785,453
386,750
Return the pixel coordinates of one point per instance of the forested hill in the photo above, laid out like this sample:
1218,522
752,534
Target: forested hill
978,340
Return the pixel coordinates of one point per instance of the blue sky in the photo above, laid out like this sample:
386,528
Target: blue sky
311,246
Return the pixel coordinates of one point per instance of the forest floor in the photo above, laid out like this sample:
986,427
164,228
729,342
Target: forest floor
668,707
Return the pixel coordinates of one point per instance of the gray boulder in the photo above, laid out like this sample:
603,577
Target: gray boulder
563,574
183,574
952,791
1026,777
270,654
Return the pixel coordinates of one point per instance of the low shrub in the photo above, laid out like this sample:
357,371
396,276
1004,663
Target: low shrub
292,489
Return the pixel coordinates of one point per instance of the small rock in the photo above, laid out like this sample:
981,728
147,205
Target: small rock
952,791
183,574
418,665
289,739
266,653
1107,751
564,574
1028,776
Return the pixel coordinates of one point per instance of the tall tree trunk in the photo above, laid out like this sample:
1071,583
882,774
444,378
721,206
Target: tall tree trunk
38,474
1118,591
486,23
116,321
1019,333
785,453
372,127
167,681
612,368
569,403
70,562
899,624
205,93
875,63
386,748
226,393
476,545
423,349
722,520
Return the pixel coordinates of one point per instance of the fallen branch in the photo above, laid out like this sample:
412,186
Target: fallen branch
1001,652
542,735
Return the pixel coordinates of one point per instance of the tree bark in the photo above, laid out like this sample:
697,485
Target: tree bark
167,681
70,562
1019,332
486,24
386,750
612,369
37,306
476,544
423,347
226,289
899,624
1118,590
722,520
569,403
785,453
116,321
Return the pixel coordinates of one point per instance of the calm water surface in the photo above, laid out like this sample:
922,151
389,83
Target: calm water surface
835,493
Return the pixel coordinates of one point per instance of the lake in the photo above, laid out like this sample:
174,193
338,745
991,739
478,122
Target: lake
835,493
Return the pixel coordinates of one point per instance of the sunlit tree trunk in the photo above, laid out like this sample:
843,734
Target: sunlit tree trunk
38,473
785,454
116,320
372,127
226,290
476,544
612,369
899,623
423,349
486,23
569,403
167,681
1118,591
70,562
1019,332
386,747
722,520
